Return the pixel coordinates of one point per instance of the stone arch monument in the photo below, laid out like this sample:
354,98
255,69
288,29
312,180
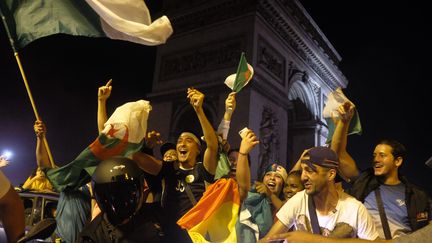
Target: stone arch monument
295,68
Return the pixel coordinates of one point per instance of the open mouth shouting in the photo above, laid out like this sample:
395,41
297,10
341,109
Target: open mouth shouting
183,153
271,185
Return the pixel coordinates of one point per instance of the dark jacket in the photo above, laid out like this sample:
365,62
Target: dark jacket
417,200
144,227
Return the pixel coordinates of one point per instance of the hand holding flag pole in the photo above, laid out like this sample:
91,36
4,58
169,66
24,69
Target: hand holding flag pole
17,58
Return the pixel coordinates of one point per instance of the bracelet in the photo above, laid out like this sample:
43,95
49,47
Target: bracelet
242,153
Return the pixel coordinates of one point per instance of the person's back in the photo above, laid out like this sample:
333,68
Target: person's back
143,227
120,191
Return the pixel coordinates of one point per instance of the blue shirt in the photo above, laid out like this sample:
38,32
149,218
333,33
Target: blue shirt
393,197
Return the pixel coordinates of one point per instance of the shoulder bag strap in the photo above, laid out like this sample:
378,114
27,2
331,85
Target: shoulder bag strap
189,193
313,216
382,214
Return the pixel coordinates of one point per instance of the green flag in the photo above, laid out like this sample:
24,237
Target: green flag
122,136
242,77
28,20
334,100
223,167
354,127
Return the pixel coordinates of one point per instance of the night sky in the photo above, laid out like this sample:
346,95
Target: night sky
385,57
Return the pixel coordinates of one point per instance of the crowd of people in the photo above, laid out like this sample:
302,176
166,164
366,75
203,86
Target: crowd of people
140,198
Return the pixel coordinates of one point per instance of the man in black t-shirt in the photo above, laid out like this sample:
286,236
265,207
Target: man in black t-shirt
185,178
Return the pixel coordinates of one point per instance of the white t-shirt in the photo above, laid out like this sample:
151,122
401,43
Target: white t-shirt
350,219
4,184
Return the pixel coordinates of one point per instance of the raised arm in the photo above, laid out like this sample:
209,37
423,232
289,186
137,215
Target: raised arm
196,99
339,141
147,163
42,157
104,93
297,165
248,142
230,105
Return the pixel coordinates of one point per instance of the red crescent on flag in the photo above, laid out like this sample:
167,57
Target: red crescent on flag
247,74
101,152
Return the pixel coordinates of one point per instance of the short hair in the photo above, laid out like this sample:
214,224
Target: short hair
238,151
296,173
398,149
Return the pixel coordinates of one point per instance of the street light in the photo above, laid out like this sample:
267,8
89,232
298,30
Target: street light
7,154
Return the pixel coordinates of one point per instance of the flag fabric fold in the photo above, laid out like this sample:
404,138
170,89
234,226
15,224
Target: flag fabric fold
130,20
127,20
255,218
214,217
241,78
334,100
223,167
122,135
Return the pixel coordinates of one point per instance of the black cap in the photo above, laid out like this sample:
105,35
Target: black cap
324,157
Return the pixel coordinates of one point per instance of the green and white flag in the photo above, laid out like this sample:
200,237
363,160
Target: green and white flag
334,100
240,79
122,136
127,20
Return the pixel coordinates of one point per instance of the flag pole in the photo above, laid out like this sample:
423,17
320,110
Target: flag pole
237,73
17,58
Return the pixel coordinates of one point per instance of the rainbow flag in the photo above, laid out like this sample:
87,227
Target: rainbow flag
214,217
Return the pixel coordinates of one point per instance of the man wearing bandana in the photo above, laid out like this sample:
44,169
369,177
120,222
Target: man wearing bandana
185,178
337,213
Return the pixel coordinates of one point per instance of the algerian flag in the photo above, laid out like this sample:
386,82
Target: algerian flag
240,79
127,20
334,100
122,136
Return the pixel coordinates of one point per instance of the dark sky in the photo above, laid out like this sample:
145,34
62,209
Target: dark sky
385,56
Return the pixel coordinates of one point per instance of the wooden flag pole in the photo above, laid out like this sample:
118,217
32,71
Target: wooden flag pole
12,42
33,106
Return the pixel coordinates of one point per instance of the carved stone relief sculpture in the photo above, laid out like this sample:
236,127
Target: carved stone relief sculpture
269,139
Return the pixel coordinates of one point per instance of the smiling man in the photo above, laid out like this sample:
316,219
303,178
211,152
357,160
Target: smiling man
338,214
406,208
185,178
